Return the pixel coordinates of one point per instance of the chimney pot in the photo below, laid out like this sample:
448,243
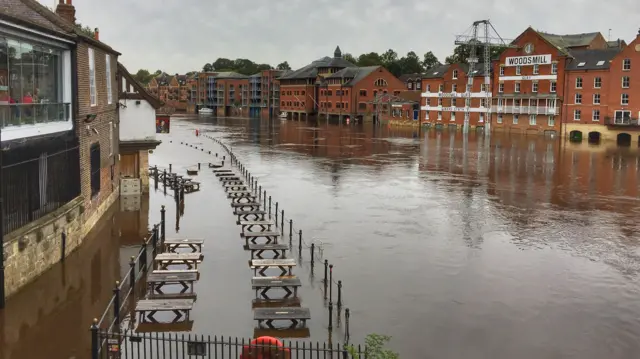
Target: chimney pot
69,2
96,34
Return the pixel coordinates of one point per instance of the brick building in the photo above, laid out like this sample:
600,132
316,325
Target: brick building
226,93
413,82
444,97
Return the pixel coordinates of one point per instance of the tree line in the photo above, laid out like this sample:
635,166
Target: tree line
411,63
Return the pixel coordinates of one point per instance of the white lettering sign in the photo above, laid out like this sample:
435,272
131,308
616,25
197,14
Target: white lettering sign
528,60
457,94
455,109
524,78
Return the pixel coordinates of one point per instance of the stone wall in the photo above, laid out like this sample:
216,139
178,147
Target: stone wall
36,247
143,157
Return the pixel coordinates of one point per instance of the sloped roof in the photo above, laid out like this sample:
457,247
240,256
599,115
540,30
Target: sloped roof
478,69
153,101
592,59
568,41
436,72
407,77
311,70
355,74
230,75
617,43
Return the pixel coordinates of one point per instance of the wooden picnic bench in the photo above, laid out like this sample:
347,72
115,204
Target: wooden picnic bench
183,326
225,173
171,245
271,237
269,315
147,308
262,285
258,215
264,226
191,260
246,199
248,206
275,302
225,170
234,187
191,186
156,280
260,266
257,249
300,332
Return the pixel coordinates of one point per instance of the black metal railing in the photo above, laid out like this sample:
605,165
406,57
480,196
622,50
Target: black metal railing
130,345
37,180
21,114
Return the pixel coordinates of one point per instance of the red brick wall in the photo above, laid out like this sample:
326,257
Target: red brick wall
106,114
616,73
304,95
587,91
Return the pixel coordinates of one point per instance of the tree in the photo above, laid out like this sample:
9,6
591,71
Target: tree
370,59
350,58
389,57
411,64
85,30
283,66
429,60
374,348
143,77
461,53
207,68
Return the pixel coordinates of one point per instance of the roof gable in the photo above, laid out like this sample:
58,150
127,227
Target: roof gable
31,11
591,59
139,89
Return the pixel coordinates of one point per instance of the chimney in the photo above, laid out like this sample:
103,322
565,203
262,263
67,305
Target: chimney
66,11
96,33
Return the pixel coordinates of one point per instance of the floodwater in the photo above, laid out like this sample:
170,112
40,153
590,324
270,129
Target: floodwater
499,247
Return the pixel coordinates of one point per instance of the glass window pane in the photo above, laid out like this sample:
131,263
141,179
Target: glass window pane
5,110
15,81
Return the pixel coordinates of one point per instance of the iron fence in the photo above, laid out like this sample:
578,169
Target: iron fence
130,345
38,178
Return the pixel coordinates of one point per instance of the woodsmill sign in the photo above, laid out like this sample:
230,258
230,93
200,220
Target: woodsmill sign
529,60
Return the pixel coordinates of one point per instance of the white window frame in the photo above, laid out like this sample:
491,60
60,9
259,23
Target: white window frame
534,86
110,138
553,87
554,68
454,88
439,115
501,87
518,70
501,70
577,99
454,74
623,97
499,120
108,74
596,98
536,69
626,79
517,87
441,88
622,112
93,94
626,65
577,115
532,120
453,117
595,115
597,82
551,121
515,119
578,82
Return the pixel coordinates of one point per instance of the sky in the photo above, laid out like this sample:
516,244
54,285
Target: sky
178,36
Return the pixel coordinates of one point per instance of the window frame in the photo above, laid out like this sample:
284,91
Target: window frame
93,92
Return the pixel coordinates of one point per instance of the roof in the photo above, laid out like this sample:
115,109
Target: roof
407,77
311,70
591,59
478,69
153,101
355,74
568,41
230,75
617,43
436,72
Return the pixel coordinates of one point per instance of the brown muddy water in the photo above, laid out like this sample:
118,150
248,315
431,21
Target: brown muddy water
498,247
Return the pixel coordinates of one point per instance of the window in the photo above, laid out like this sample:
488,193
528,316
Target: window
483,102
410,85
111,139
499,118
455,74
441,88
600,63
553,87
624,99
578,82
597,82
380,82
439,101
92,78
517,87
428,87
454,88
536,69
596,116
453,117
622,117
501,87
31,84
532,120
481,117
95,169
596,98
576,115
108,72
515,119
578,98
518,70
440,116
501,70
626,65
625,82
362,106
581,64
554,68
534,86
551,121
418,85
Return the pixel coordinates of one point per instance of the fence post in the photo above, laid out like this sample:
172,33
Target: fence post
326,272
330,283
155,239
116,303
300,243
95,350
164,177
264,198
313,249
347,314
276,214
290,231
330,315
132,279
170,170
260,193
269,207
162,222
339,295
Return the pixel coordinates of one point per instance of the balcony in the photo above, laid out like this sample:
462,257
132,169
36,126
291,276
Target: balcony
527,110
26,120
622,121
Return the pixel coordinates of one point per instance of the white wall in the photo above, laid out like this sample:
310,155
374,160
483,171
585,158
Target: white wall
137,122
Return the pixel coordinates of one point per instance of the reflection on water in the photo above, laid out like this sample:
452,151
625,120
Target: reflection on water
50,318
497,247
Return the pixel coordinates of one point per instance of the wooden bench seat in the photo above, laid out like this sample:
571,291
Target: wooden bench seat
148,307
279,249
269,315
289,284
261,265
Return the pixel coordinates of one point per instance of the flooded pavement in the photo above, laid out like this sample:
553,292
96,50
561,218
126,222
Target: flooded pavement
503,247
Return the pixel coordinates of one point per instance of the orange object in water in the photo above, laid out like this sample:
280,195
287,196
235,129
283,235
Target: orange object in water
197,132
265,348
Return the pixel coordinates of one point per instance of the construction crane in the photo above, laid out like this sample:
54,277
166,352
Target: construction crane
472,38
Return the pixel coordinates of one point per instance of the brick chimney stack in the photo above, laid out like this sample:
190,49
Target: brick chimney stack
66,11
96,34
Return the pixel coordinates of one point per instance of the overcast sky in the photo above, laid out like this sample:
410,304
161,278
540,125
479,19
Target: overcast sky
182,35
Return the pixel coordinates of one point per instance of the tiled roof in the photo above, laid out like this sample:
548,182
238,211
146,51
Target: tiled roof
568,41
616,43
230,75
478,69
436,72
153,101
591,59
407,77
355,74
33,12
311,70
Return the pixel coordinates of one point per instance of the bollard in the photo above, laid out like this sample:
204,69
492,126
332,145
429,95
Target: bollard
300,243
326,273
290,231
330,315
269,207
282,221
346,321
156,234
132,275
164,178
330,282
116,304
260,193
95,347
339,295
182,193
264,198
313,249
162,222
170,167
276,214
198,166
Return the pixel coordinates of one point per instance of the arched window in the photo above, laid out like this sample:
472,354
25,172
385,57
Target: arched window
380,82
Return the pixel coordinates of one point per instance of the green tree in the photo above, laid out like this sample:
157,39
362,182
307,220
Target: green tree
374,348
350,58
143,76
85,30
411,64
207,68
370,59
461,53
389,57
429,60
283,66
